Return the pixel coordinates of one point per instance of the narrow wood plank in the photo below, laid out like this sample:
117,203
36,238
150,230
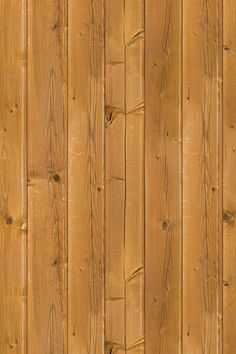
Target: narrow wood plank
163,177
47,174
86,189
12,177
134,176
202,237
229,187
115,177
124,176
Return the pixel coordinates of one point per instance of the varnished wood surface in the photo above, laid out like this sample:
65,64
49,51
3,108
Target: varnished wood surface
202,189
163,227
47,176
117,177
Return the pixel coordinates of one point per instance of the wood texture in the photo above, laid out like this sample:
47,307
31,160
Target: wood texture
47,177
163,231
202,236
124,216
115,177
12,177
117,166
85,176
229,188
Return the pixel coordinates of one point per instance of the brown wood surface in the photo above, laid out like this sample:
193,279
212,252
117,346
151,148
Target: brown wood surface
202,235
124,100
117,176
47,177
229,187
163,228
85,176
13,177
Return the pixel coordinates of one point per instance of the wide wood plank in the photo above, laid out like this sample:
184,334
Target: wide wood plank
47,176
85,176
12,176
163,177
202,237
229,187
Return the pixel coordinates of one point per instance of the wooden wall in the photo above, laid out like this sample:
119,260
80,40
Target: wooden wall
117,176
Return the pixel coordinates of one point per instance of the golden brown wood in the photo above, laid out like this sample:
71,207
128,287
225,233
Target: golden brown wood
202,237
86,170
115,177
163,177
134,176
229,158
124,176
117,191
12,177
47,177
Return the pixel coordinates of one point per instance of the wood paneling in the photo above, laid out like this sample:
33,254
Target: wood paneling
12,176
163,228
117,165
229,187
85,176
124,216
47,177
115,153
202,236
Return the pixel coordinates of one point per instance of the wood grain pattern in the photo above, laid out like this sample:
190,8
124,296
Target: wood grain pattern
47,177
163,177
229,188
115,177
134,176
124,176
202,236
12,173
117,166
85,176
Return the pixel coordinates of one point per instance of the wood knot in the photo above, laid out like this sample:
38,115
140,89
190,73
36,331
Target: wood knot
226,48
111,114
228,217
56,177
165,224
226,284
9,220
56,26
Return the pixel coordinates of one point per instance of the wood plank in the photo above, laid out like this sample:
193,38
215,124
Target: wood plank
229,188
12,176
115,177
163,232
47,174
124,176
85,176
202,237
134,176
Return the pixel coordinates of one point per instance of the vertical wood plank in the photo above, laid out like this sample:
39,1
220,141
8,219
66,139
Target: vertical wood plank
125,176
229,188
163,177
115,176
47,174
85,176
134,176
12,176
202,238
